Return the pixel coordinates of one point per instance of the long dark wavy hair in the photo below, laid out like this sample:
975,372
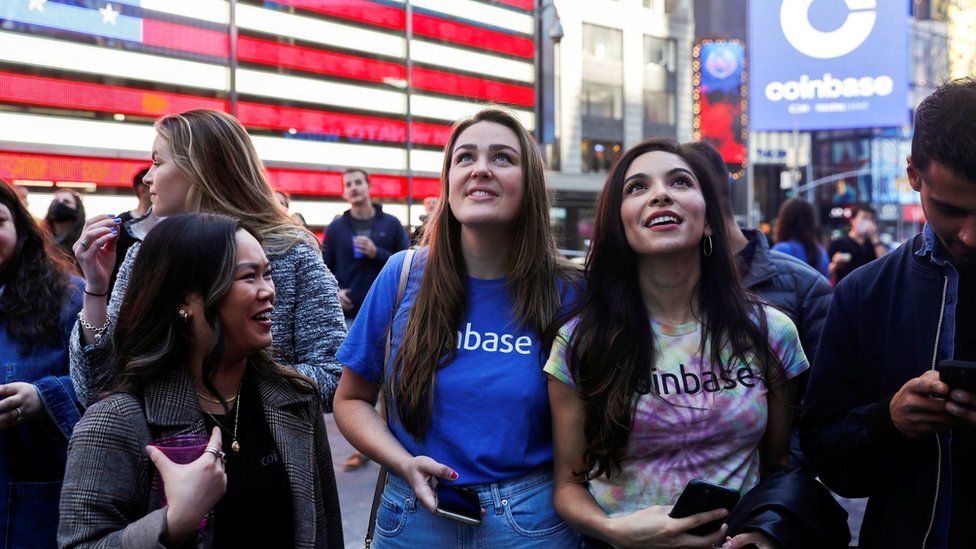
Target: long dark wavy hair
184,254
534,267
36,280
797,221
611,350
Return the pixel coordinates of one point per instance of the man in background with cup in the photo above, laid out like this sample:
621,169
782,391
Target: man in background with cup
356,246
358,242
860,247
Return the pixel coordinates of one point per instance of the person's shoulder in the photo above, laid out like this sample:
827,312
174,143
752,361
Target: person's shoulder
797,267
119,405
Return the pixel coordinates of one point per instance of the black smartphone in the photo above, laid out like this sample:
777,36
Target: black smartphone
958,374
458,504
700,496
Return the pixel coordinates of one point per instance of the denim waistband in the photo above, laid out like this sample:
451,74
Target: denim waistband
491,493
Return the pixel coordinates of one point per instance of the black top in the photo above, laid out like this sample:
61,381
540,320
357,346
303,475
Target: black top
256,510
363,227
861,254
125,241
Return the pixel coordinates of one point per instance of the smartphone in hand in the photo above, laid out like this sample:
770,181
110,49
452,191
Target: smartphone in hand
958,374
700,496
458,504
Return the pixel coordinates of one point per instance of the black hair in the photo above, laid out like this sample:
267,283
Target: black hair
945,129
138,177
36,279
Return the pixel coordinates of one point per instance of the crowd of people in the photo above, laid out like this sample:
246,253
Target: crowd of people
511,398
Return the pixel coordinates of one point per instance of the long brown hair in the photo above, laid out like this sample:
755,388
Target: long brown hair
213,150
36,280
797,221
534,269
611,349
184,254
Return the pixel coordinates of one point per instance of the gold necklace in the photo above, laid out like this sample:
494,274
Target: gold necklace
215,401
234,445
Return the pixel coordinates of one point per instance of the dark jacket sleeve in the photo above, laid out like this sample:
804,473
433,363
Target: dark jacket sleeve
400,241
845,434
815,296
328,255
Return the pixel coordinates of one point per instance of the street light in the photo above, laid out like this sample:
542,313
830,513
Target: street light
555,35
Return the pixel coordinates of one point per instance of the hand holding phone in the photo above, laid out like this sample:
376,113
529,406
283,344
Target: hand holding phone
458,504
700,496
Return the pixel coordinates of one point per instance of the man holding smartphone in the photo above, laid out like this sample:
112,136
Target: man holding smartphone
878,421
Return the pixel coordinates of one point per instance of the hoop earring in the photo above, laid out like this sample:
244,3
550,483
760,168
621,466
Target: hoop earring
183,314
707,246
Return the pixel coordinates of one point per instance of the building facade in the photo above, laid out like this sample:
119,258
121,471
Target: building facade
321,85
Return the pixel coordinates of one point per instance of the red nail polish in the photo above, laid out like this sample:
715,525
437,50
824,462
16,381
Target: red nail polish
454,476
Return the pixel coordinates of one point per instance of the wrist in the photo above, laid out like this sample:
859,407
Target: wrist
177,529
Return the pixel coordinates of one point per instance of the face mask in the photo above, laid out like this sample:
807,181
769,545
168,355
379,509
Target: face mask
63,212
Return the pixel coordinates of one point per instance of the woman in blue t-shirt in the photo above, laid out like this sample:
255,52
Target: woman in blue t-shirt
797,235
468,404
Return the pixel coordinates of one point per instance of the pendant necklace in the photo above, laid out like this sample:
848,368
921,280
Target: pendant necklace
234,445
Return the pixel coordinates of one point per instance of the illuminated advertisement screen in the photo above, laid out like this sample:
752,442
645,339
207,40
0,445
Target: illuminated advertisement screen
720,99
828,64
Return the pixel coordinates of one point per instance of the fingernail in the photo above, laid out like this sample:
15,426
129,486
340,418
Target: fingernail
118,220
115,230
109,215
454,475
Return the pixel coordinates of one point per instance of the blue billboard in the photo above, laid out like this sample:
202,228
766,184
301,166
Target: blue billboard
828,64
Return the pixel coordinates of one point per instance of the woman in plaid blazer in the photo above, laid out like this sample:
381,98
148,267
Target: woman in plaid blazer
190,347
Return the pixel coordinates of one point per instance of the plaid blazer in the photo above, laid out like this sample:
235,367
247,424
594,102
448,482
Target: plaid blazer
109,499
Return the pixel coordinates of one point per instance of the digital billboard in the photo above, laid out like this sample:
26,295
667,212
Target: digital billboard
828,64
720,99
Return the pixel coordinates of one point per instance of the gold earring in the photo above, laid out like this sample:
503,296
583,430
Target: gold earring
183,314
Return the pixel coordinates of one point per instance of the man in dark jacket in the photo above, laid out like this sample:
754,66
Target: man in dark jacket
877,421
358,243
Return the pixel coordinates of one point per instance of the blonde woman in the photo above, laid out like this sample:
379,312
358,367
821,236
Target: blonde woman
468,404
204,160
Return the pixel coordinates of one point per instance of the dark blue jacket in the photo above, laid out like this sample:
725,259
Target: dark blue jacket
890,321
33,453
358,274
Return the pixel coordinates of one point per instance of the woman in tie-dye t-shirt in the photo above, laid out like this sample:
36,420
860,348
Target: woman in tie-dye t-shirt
668,370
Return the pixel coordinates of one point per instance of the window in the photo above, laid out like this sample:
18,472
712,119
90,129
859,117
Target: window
602,43
598,156
660,75
670,7
601,100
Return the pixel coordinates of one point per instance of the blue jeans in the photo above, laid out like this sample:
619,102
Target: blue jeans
519,514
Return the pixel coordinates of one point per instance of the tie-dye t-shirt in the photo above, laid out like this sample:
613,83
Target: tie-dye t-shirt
698,422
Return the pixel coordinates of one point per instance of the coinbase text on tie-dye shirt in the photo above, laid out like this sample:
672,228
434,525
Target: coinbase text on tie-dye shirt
699,421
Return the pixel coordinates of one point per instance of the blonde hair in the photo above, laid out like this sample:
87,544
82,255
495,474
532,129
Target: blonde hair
213,150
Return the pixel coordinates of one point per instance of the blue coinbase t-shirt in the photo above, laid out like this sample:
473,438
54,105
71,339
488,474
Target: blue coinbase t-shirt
491,418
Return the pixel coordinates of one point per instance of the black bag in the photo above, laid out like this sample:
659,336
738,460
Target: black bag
793,509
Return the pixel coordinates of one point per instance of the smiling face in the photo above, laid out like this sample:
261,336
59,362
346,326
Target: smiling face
245,311
168,186
662,209
485,187
949,203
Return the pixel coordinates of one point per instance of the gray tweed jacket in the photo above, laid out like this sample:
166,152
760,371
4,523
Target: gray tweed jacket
109,498
307,325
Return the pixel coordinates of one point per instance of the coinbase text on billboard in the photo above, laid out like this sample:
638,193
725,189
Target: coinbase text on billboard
828,64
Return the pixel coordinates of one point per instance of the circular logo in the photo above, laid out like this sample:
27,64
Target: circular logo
721,63
794,17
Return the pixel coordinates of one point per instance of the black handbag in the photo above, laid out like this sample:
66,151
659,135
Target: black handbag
793,509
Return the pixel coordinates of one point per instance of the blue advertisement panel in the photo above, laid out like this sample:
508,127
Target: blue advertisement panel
828,64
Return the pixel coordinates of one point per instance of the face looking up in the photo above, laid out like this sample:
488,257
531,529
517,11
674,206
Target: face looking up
168,186
662,209
485,186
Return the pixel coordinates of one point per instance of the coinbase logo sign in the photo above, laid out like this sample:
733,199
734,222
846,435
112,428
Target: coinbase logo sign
828,64
794,18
